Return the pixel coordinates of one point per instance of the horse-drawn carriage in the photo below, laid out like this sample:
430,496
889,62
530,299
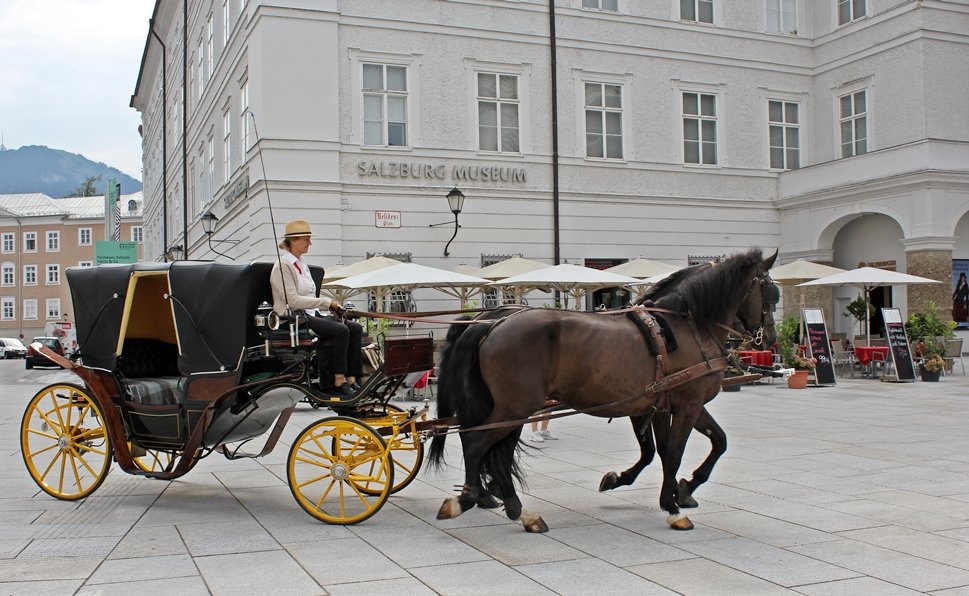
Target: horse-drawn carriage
181,360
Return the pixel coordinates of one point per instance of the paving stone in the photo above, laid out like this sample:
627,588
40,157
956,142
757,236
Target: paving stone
183,586
40,588
115,571
273,572
149,541
226,538
700,576
589,576
486,577
517,547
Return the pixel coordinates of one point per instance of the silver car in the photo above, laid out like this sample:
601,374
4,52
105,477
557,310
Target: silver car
12,348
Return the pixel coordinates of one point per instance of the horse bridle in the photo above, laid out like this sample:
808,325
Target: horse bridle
770,296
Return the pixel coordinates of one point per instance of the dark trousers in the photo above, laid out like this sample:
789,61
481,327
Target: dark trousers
343,356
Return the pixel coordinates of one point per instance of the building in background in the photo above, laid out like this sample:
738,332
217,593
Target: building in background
834,130
40,238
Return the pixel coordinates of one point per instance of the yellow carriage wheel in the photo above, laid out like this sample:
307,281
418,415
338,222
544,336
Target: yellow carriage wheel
328,464
64,442
406,447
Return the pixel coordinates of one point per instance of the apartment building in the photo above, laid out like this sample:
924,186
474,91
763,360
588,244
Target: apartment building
40,238
587,131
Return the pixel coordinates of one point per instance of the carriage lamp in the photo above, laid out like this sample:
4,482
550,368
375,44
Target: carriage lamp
209,222
455,202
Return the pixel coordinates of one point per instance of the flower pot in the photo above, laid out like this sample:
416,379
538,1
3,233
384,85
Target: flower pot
798,380
928,375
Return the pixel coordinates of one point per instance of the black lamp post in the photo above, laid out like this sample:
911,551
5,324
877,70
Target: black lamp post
455,201
209,222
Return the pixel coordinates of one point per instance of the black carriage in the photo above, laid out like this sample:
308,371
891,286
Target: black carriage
180,360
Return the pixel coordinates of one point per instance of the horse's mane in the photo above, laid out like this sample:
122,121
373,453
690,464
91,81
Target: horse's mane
707,291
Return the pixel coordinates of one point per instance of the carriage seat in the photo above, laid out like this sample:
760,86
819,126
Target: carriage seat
150,371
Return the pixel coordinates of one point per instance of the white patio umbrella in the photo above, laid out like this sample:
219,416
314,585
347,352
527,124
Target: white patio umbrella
365,266
642,268
572,280
510,267
867,279
798,272
407,276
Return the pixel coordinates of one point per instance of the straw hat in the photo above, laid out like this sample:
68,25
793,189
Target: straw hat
296,228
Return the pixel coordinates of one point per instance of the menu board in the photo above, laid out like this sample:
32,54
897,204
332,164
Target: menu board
900,350
818,346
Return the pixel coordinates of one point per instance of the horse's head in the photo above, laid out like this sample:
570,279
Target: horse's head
756,311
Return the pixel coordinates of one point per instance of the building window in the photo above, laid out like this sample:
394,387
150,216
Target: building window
700,11
603,120
782,16
244,115
8,242
53,241
7,274
607,5
210,186
785,134
226,23
30,309
201,69
227,144
30,241
209,48
854,123
498,127
53,275
84,236
85,264
850,10
7,308
53,308
700,128
384,105
30,275
137,234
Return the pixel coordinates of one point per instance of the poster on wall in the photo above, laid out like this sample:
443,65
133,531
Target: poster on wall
960,292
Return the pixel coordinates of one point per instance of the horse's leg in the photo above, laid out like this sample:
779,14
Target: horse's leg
718,446
501,483
671,436
647,449
474,446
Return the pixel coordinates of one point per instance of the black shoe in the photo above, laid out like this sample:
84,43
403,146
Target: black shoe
355,386
343,390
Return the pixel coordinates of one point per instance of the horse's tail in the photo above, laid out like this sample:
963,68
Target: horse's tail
446,387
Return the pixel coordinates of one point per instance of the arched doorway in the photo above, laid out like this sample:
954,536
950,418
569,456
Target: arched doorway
873,240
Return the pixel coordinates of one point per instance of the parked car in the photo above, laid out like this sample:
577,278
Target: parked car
37,359
12,348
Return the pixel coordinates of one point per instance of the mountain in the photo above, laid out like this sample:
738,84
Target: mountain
56,173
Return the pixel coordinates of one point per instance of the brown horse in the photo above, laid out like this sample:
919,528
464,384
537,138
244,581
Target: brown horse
493,374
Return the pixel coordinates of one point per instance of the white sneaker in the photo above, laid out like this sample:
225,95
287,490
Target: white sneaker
548,436
536,437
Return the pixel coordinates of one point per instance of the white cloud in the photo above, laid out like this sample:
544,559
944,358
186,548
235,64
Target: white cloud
69,68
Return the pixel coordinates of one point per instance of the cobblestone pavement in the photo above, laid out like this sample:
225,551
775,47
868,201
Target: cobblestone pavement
861,488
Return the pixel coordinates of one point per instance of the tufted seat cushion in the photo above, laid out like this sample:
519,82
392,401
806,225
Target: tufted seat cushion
142,358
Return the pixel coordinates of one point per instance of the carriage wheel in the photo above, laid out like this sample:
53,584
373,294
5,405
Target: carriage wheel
406,447
64,442
328,464
158,461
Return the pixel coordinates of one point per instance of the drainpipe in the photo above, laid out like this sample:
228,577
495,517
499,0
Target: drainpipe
555,132
185,126
151,27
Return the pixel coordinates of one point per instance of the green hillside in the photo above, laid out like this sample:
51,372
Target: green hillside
56,173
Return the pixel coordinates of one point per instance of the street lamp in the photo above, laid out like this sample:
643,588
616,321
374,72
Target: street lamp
209,222
455,201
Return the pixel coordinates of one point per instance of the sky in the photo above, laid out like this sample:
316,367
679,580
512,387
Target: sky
67,72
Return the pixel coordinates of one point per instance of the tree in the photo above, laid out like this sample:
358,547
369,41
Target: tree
88,188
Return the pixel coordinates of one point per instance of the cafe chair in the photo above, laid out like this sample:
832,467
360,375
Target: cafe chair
880,362
879,341
953,354
860,340
842,359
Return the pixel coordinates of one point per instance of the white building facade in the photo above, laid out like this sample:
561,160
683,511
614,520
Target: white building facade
587,131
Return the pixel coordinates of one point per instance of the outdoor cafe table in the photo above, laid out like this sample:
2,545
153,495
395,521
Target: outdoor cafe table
756,357
865,354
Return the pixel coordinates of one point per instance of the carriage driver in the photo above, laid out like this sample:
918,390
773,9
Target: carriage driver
340,378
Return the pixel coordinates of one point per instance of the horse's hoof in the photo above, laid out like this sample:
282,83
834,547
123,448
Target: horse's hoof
679,522
487,502
609,482
534,524
450,509
684,497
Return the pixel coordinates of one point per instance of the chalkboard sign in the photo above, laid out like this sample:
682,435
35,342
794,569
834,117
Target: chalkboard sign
900,350
818,346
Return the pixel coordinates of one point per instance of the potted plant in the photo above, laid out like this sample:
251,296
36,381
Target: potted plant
788,333
925,331
859,309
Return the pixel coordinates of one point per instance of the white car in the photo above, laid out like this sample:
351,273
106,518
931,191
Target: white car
12,348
